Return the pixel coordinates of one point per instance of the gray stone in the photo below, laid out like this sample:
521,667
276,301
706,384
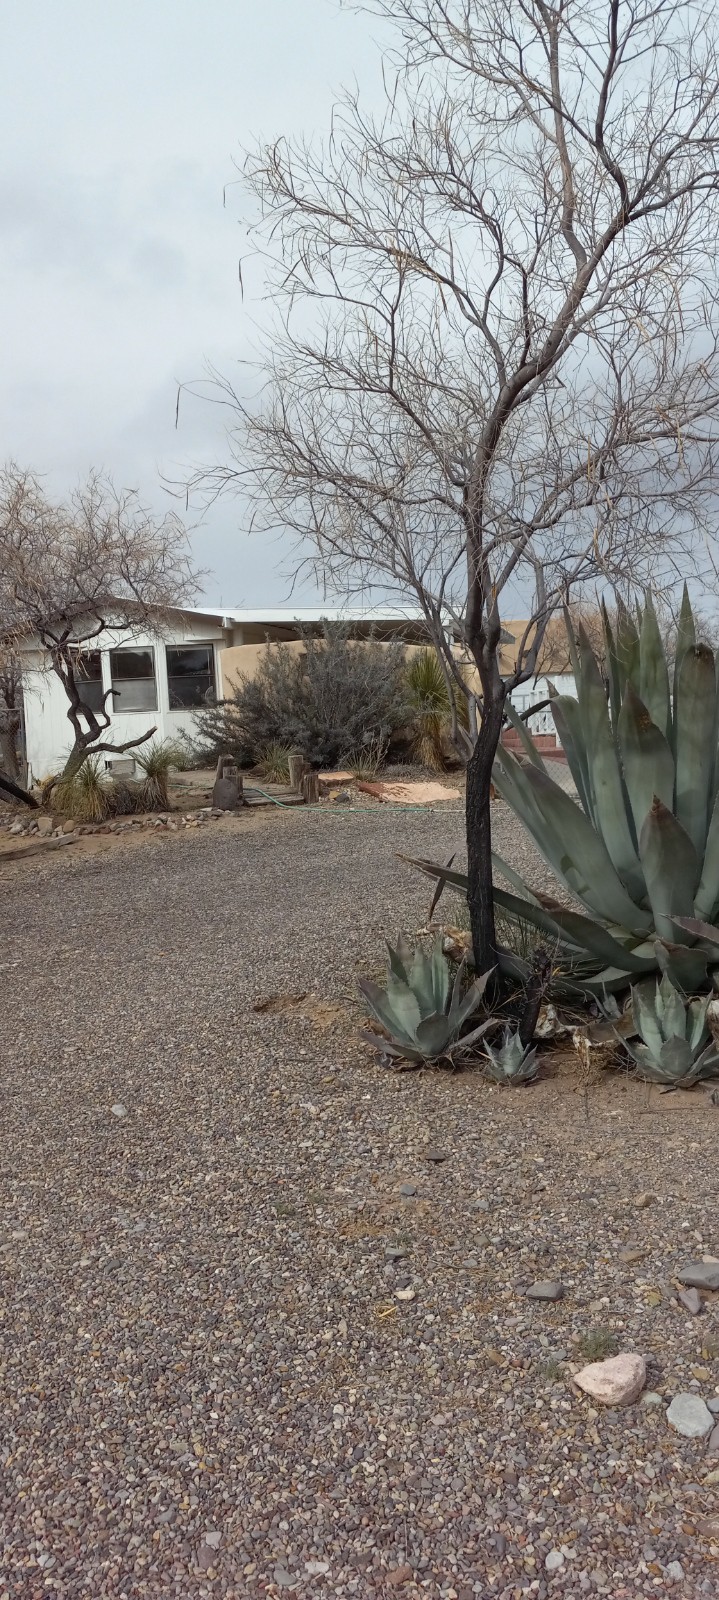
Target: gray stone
713,1445
408,1189
700,1274
554,1561
714,1406
17,827
650,1399
691,1300
436,1156
689,1416
675,1571
546,1289
118,1110
395,1252
44,826
284,1578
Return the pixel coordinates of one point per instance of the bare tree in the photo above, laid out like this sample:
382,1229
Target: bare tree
494,373
69,570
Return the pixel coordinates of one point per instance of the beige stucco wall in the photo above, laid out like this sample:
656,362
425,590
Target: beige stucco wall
243,660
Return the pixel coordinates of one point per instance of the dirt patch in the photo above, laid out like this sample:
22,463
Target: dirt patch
321,1013
412,794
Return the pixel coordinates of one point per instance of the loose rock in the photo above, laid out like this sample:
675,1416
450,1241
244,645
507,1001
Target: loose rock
700,1274
554,1561
691,1300
546,1289
616,1382
689,1416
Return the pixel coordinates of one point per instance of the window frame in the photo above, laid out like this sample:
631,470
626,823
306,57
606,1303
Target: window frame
194,644
118,710
79,656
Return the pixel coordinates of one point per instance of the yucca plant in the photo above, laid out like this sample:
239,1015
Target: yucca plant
156,760
87,795
274,759
430,708
639,850
676,1048
512,1061
421,1011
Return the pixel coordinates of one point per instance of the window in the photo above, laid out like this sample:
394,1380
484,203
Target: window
88,672
133,680
190,675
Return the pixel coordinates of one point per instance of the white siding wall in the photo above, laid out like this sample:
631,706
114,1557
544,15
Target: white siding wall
529,693
49,734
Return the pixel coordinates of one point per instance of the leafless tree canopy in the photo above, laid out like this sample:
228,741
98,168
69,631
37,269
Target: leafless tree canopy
67,568
496,364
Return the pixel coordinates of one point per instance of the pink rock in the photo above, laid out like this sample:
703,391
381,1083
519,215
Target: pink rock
616,1382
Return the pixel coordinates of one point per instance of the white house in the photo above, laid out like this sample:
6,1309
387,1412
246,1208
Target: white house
158,679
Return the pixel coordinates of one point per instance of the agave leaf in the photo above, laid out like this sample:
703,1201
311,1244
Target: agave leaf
520,727
653,672
700,929
644,1013
695,717
568,723
685,966
439,975
400,959
627,648
433,1036
572,646
646,758
469,1004
536,916
434,869
383,1045
593,937
514,878
421,982
381,1007
403,1006
471,1038
613,675
607,789
579,855
706,1065
706,899
671,869
675,1057
697,1031
686,639
671,1010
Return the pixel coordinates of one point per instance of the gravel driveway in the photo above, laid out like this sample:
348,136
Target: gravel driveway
208,1383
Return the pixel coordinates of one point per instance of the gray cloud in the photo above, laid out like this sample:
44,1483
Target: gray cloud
118,261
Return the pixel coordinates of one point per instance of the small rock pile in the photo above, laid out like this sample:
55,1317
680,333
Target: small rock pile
54,827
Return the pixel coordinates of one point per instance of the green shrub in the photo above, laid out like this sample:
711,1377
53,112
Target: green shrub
430,708
274,761
331,698
88,795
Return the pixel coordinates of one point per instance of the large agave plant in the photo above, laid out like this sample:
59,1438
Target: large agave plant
676,1047
640,849
421,1012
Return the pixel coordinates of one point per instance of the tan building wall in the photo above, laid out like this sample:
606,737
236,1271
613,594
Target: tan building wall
243,660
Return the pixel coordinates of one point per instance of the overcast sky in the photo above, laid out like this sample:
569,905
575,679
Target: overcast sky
121,120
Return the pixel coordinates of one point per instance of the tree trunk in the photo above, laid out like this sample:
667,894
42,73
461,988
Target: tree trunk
480,895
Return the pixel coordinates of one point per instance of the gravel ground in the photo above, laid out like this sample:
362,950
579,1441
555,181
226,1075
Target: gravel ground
209,1386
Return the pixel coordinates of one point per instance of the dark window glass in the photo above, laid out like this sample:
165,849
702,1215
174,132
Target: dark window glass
88,672
190,675
133,680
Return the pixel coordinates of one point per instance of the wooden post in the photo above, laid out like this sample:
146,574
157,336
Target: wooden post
298,767
311,788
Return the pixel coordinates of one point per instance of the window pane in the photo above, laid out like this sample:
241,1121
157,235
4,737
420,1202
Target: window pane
190,675
88,672
133,680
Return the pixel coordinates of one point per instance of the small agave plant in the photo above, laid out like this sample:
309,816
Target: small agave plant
676,1047
423,1015
511,1062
